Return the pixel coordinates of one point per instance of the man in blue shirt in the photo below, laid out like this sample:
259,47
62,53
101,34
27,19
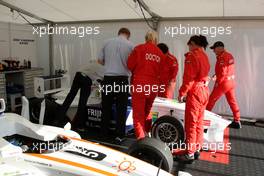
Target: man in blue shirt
113,56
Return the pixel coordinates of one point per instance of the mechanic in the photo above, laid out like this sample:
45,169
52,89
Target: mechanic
195,89
169,74
224,82
145,63
83,83
113,56
83,80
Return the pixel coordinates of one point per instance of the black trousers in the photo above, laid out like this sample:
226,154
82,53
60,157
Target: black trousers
120,98
82,82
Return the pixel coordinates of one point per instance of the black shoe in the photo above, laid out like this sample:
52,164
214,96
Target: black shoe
119,140
236,125
104,132
58,123
79,129
197,155
186,158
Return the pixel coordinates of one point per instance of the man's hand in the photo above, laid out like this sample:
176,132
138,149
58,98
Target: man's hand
182,99
214,78
100,61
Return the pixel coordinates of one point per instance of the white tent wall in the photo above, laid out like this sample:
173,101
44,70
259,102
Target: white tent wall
73,53
4,40
246,45
42,45
17,41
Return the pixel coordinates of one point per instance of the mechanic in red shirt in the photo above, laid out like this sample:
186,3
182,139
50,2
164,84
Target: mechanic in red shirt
195,89
225,82
145,63
170,70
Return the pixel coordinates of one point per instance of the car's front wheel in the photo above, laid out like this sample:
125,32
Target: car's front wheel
154,152
168,129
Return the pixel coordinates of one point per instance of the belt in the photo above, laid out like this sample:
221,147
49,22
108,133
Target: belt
115,77
202,83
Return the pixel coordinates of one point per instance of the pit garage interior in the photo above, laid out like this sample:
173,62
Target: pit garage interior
28,54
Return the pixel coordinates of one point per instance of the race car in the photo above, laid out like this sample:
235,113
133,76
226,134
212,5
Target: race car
167,117
167,114
38,150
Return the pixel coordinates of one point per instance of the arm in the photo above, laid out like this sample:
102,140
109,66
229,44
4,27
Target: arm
101,57
174,70
190,71
229,64
132,60
226,67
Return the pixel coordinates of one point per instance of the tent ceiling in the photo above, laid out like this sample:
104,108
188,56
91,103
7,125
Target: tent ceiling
88,10
79,10
7,16
207,8
186,8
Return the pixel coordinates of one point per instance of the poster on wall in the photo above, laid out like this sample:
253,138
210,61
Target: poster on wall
23,41
23,45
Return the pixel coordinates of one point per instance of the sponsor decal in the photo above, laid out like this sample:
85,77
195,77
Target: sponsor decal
71,163
84,152
38,163
16,173
125,166
207,123
154,116
94,114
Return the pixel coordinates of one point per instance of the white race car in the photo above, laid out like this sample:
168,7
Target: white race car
167,115
38,150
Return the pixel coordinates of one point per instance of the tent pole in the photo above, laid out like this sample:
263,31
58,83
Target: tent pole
12,7
51,54
154,17
45,21
145,6
155,23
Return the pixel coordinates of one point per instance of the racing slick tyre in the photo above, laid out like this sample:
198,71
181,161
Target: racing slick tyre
154,152
168,129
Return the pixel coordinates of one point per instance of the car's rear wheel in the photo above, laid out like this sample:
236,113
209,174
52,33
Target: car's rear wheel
168,129
154,152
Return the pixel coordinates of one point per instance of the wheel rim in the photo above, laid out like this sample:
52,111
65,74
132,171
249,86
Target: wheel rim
167,132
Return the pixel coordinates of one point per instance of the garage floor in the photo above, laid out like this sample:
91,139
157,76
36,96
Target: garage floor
245,159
